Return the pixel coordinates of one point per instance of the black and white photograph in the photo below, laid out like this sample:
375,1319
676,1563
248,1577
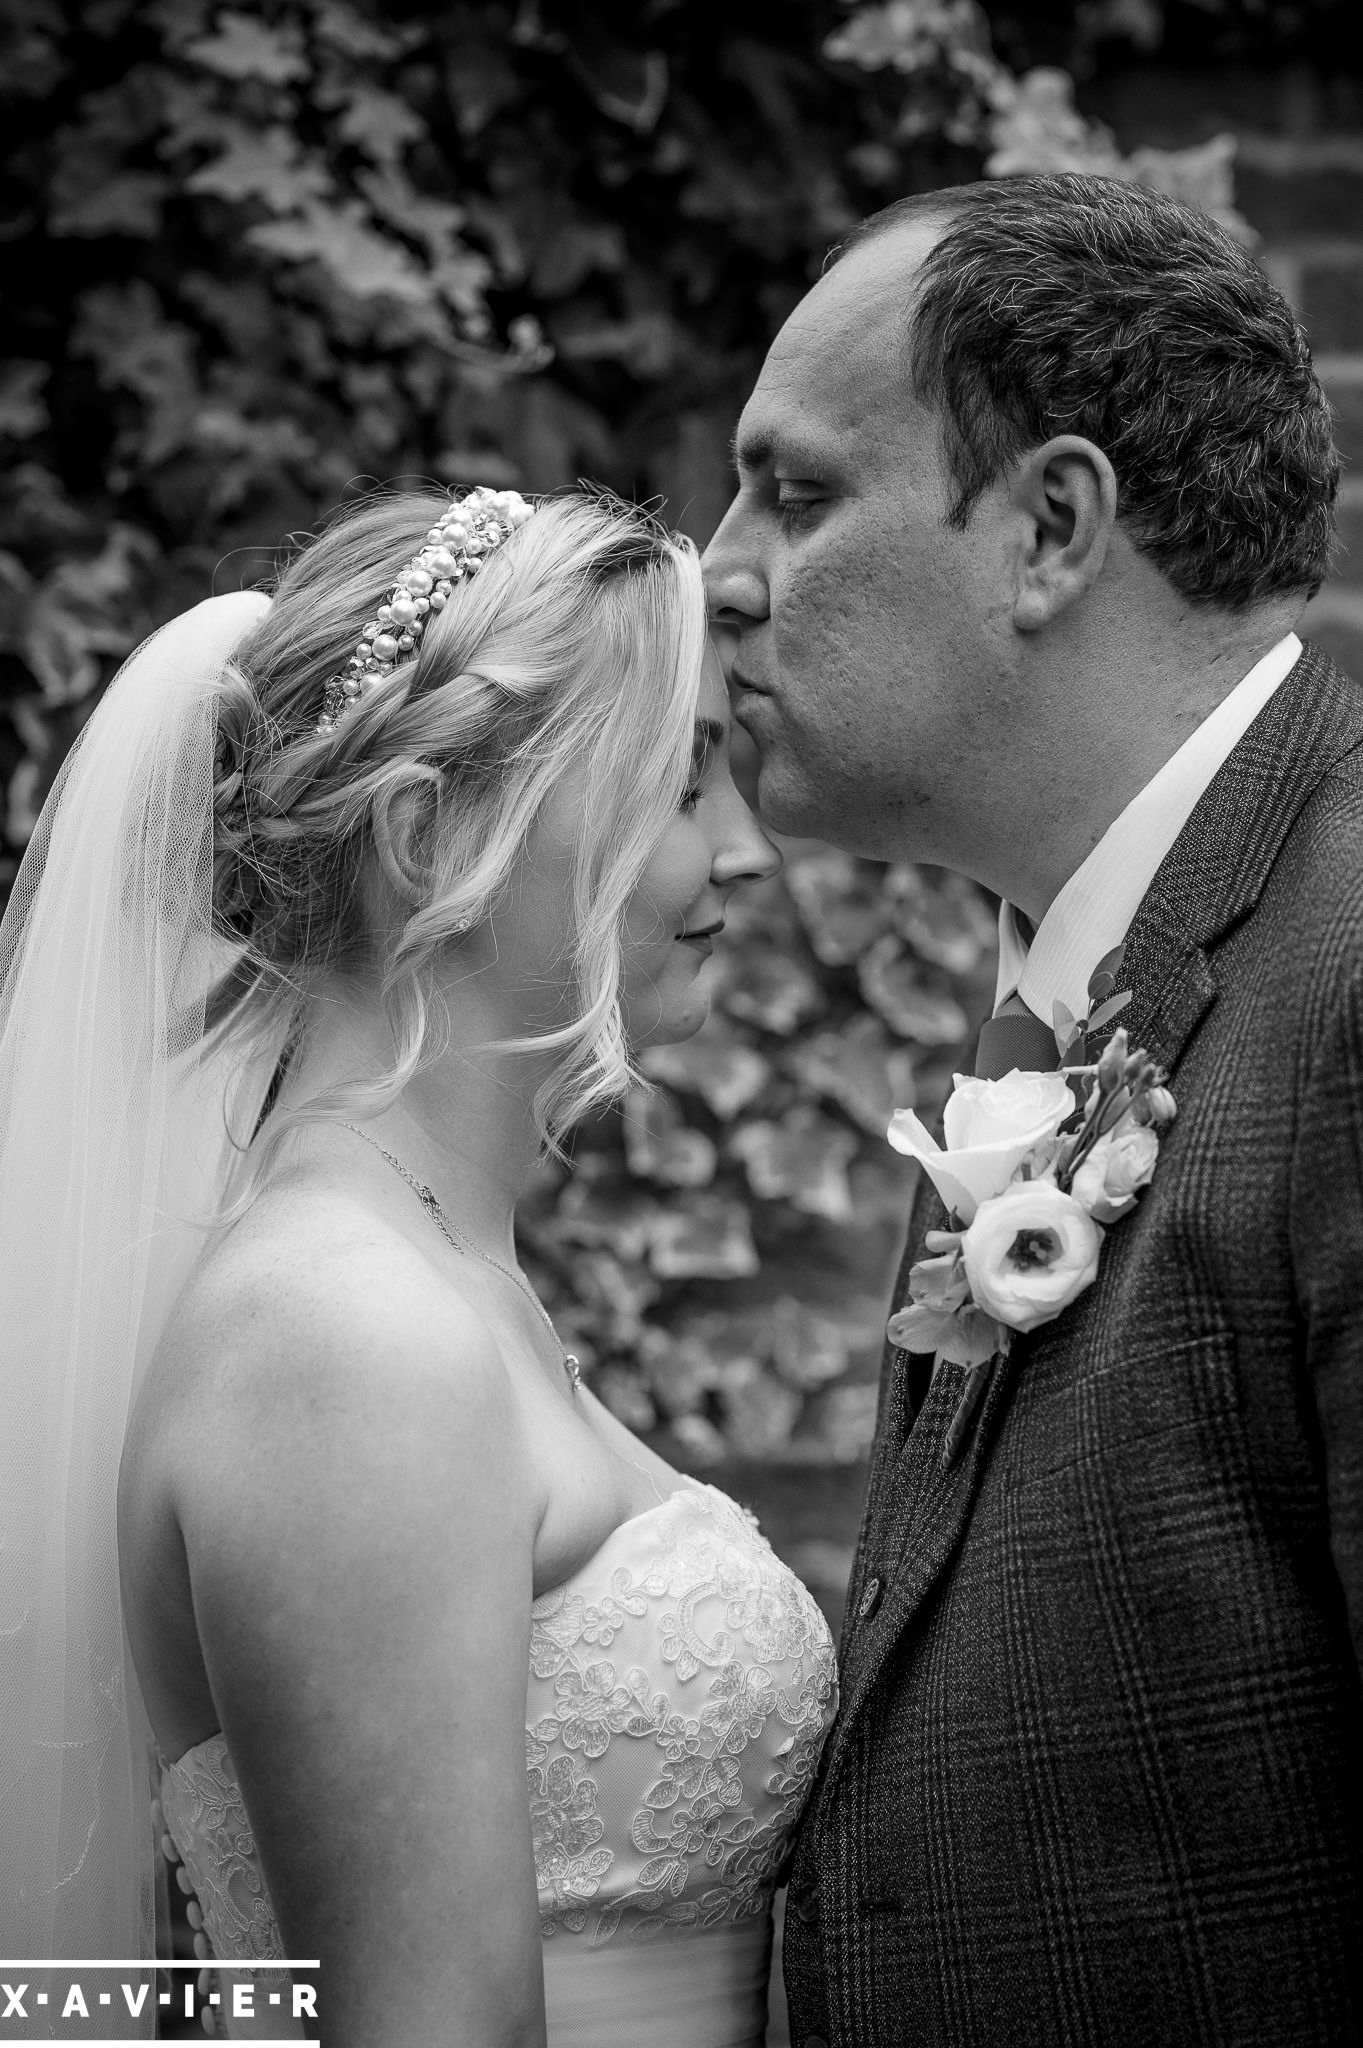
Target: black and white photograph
681,1023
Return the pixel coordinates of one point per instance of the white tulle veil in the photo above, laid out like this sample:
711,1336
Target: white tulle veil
114,1151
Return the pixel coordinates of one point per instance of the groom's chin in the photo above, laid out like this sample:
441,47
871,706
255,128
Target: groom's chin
787,804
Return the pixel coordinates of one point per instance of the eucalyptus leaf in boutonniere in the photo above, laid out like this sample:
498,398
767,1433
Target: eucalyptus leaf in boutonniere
1032,1185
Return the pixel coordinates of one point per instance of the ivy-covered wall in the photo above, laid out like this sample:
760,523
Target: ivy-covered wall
255,257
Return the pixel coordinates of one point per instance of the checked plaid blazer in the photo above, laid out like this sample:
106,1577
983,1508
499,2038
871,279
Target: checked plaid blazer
1098,1773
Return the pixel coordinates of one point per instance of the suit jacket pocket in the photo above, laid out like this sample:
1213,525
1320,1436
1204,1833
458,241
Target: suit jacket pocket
1115,1410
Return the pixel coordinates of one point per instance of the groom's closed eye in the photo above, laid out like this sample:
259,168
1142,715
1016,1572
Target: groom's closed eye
796,502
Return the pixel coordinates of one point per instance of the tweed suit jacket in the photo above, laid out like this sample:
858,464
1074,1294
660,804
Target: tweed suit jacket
1098,1772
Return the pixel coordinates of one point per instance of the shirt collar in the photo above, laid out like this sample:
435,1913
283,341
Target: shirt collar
1093,911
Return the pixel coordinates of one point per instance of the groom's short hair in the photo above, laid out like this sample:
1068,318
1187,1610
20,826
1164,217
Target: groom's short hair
1091,306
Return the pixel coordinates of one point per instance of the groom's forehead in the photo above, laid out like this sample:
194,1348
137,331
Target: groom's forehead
840,362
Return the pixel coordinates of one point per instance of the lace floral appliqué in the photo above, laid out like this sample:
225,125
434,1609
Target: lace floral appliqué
206,1820
681,1685
666,1779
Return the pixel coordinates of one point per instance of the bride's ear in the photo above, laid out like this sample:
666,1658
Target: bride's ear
400,819
1066,491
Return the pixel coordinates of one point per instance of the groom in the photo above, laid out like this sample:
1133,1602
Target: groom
1033,487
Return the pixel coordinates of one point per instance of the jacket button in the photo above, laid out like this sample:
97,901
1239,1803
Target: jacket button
870,1599
803,1901
814,2041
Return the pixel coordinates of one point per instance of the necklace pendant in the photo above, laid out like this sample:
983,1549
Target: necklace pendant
573,1368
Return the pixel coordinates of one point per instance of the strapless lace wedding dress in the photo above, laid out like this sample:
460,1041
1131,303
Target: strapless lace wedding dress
681,1685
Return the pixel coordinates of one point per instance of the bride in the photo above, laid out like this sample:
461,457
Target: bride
346,905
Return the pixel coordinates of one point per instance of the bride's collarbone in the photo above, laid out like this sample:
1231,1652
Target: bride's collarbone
287,1263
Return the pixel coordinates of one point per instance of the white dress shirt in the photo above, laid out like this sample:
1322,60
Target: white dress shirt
1094,910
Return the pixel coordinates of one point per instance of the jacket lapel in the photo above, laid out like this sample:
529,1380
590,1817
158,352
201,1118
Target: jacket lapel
918,1505
1215,872
924,1511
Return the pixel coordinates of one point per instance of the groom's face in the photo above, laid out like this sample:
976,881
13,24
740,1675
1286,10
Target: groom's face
873,641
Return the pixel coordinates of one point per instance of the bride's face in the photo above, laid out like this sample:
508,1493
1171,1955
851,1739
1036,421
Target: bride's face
712,845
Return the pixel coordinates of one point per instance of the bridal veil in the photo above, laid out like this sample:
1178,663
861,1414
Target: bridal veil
114,1151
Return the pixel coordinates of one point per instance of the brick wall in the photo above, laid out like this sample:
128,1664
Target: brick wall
1305,196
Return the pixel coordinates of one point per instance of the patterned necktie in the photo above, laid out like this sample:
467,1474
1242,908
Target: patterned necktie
1015,1037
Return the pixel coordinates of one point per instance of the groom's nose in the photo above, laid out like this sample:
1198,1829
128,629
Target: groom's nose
734,580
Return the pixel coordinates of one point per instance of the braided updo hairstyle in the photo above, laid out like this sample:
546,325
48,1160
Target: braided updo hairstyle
578,647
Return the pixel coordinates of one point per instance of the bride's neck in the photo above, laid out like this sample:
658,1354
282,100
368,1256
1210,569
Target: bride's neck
463,1125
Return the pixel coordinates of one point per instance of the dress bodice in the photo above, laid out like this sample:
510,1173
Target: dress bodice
681,1683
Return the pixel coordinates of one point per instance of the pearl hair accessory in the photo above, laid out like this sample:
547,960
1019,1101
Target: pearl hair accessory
454,551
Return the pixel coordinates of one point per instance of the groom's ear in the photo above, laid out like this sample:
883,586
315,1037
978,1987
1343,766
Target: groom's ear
1066,491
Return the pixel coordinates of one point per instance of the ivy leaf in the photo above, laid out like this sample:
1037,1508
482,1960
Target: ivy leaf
22,410
33,63
377,123
629,86
716,1064
610,1214
135,348
841,902
80,614
660,1146
245,47
944,918
364,264
808,1350
124,203
845,1426
264,164
760,1412
480,84
709,1237
572,251
803,1159
861,1068
124,330
763,984
895,984
353,35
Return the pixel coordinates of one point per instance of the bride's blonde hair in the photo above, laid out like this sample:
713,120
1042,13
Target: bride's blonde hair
577,648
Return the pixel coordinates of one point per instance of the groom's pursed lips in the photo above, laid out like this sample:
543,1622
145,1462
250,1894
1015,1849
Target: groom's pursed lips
740,678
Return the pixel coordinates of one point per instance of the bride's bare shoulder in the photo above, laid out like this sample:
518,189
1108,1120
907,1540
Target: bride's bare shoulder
312,1297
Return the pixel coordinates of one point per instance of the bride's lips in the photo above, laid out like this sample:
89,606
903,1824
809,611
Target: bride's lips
701,937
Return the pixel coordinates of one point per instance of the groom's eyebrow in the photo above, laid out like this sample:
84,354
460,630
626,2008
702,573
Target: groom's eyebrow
759,448
749,450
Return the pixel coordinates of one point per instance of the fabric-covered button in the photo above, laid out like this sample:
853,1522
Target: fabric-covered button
803,1901
814,2041
870,1599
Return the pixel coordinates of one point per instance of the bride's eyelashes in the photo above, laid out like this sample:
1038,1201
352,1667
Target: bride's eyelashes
710,737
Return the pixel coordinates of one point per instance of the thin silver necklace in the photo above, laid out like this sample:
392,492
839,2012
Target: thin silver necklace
460,1243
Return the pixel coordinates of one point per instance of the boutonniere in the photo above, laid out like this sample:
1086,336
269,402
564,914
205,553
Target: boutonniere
1033,1183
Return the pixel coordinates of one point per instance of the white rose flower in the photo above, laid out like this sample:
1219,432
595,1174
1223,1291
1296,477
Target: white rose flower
1029,1252
991,1127
1118,1166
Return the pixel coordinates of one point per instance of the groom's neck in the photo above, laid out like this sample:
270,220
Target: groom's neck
1116,694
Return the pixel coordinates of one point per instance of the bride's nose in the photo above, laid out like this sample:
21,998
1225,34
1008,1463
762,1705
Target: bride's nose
745,854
